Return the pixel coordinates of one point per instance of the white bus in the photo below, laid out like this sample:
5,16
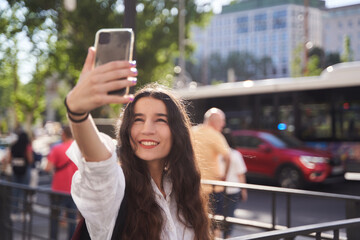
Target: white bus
323,111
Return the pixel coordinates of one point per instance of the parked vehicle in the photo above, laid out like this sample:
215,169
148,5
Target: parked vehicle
285,159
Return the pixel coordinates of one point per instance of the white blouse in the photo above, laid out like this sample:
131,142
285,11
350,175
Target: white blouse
98,190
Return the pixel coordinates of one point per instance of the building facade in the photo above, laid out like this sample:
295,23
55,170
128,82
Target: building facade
339,23
276,29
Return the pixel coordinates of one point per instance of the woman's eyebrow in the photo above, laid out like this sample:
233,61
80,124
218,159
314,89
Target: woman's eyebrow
157,114
162,115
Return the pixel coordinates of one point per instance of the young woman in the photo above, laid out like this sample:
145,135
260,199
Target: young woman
21,157
157,173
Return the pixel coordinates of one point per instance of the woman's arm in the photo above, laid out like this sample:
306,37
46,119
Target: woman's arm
244,195
29,154
91,92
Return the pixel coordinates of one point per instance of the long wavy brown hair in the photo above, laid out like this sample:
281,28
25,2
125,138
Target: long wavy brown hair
144,218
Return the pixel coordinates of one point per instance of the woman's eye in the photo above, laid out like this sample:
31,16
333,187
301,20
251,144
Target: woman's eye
138,120
161,120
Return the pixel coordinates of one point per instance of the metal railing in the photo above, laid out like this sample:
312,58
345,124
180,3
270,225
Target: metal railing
308,230
351,224
35,207
33,210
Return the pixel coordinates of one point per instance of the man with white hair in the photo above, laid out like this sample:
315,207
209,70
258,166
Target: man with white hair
209,143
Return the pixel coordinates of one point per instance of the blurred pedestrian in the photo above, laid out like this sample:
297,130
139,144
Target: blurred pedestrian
63,170
20,156
157,177
6,168
236,174
209,144
35,166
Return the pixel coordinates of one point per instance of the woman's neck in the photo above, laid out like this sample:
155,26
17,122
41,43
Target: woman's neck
156,169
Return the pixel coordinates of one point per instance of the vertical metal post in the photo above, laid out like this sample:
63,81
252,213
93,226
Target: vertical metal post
288,210
29,211
130,18
288,214
182,13
273,210
318,235
225,212
54,215
22,211
5,208
306,34
352,211
130,14
336,234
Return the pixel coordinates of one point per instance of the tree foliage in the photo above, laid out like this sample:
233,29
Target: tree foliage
297,61
332,58
318,60
59,40
348,54
22,103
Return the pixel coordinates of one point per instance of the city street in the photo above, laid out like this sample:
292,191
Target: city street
279,79
305,210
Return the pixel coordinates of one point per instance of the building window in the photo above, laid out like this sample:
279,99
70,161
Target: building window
242,24
279,19
260,22
274,71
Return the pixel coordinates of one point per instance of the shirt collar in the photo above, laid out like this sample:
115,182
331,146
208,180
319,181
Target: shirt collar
167,187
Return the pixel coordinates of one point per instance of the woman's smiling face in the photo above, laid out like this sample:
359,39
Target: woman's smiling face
150,130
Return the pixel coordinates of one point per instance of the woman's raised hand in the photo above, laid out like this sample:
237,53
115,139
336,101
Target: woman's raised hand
93,86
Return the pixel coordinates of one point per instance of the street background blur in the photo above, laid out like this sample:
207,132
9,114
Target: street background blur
253,47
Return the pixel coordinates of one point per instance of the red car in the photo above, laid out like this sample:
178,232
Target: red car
285,159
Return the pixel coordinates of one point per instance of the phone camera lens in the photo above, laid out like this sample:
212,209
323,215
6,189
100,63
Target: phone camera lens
104,38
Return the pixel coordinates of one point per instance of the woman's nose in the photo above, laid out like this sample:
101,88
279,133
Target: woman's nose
148,127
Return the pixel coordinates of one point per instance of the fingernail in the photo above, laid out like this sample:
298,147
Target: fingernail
131,98
133,63
132,79
134,70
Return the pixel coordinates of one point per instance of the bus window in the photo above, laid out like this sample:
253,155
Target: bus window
267,117
348,120
315,121
267,112
286,116
239,120
239,112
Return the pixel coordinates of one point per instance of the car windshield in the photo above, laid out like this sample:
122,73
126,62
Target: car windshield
282,140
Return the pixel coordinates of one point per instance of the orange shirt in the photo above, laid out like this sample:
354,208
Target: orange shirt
208,145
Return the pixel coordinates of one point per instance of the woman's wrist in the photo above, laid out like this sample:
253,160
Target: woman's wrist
76,117
72,112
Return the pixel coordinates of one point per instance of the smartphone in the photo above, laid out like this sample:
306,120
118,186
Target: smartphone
114,44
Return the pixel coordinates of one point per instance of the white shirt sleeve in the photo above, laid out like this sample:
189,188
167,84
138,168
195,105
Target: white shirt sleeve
98,189
238,162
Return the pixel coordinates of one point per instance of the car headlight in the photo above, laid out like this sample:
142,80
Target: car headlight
311,161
